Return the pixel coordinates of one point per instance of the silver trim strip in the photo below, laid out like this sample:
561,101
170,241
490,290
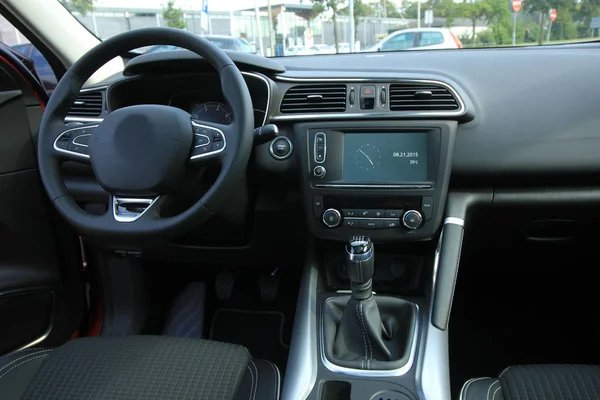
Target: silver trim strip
371,373
302,364
91,89
254,74
272,152
360,257
72,153
349,185
324,147
130,217
202,145
83,119
80,144
454,221
52,314
210,153
388,114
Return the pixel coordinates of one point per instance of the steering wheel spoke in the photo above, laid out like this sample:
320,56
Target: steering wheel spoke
73,143
130,209
209,141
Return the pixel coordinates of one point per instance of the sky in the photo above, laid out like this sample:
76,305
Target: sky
215,5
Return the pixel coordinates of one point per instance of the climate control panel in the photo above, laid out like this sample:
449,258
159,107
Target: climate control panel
406,213
372,219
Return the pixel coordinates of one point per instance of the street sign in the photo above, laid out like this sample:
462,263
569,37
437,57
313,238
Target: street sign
553,14
595,23
515,5
429,17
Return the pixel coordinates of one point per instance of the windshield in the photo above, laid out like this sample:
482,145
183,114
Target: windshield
313,27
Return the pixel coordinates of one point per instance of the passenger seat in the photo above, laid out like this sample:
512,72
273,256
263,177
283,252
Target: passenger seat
537,382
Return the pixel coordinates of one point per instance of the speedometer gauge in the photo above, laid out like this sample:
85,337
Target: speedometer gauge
215,112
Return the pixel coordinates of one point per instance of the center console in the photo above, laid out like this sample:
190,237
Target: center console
374,327
390,178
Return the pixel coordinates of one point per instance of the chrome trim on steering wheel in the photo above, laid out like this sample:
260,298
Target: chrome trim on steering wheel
128,216
86,156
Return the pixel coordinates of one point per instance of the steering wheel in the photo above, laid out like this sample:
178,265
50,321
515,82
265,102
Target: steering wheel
140,154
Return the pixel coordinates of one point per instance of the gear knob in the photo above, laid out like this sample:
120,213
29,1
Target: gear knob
360,259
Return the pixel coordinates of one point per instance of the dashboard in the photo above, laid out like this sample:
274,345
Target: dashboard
375,141
199,94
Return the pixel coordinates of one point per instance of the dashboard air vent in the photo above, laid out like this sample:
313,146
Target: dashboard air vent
86,104
416,96
314,99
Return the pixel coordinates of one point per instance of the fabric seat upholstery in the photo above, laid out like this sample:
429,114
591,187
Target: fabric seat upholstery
537,382
137,367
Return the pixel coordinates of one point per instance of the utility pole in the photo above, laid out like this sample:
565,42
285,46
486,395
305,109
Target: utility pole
260,41
514,35
418,13
385,8
351,39
271,32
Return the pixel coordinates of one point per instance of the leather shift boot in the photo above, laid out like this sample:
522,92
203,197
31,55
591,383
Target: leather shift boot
376,333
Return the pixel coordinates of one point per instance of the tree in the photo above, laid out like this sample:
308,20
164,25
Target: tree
385,8
322,6
361,10
475,11
538,6
174,16
80,6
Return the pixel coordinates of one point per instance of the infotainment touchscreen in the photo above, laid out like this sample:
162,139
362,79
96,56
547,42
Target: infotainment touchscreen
385,157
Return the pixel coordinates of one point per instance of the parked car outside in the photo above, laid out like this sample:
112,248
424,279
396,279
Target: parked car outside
40,64
323,49
299,50
221,41
344,47
418,39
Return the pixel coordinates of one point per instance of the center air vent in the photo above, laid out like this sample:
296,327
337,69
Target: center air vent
87,104
415,96
314,99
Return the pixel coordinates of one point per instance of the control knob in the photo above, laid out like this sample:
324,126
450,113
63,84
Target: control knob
332,217
412,219
319,171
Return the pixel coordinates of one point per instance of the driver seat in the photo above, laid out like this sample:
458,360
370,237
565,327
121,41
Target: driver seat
138,367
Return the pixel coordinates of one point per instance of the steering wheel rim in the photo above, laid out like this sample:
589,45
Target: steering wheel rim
234,160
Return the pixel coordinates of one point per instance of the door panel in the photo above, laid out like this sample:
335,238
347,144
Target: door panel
32,295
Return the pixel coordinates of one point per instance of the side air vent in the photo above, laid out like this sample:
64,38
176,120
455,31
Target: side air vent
314,99
87,104
421,97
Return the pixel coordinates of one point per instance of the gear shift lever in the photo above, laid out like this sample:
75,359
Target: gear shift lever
360,261
363,331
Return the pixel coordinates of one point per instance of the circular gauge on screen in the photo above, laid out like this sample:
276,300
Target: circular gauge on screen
367,157
215,112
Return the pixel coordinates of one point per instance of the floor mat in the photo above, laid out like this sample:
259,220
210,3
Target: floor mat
186,316
260,331
523,305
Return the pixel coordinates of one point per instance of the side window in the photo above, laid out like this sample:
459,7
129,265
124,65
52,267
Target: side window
430,38
399,42
10,36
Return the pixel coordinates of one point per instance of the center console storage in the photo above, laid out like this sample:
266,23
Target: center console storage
390,178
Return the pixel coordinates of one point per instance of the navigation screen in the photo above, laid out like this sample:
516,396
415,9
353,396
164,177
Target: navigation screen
385,157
